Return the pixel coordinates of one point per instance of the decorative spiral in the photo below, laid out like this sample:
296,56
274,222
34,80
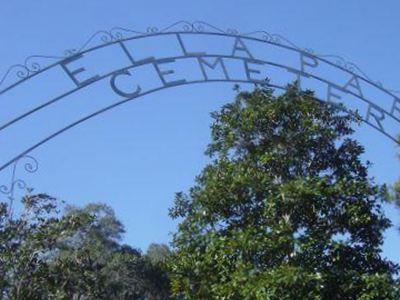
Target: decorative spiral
9,190
20,184
263,35
23,72
4,189
200,26
119,33
34,67
103,36
152,30
30,165
106,39
188,28
179,26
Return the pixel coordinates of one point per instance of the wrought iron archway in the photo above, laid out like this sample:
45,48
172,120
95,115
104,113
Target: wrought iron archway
239,60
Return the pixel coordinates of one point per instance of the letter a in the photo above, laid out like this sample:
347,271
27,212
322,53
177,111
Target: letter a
240,46
355,84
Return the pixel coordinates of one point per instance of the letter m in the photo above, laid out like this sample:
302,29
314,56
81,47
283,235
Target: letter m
218,62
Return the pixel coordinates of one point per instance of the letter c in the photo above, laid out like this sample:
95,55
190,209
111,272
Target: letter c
118,91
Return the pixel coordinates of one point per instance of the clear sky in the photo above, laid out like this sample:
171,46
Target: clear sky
136,157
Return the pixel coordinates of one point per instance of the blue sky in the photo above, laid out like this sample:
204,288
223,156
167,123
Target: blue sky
136,157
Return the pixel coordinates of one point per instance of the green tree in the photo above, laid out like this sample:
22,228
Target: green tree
91,262
284,210
157,259
75,255
28,243
395,195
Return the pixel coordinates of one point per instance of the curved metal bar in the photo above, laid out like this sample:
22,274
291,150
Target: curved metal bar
292,47
105,109
62,96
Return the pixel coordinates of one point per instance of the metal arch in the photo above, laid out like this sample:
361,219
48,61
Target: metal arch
55,100
105,109
31,68
115,36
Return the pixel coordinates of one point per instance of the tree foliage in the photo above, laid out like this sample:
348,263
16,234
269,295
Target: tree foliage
395,192
76,255
284,210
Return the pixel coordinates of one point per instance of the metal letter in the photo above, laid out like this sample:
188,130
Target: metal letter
240,46
213,66
118,91
249,71
312,61
377,118
184,48
166,72
395,106
72,74
145,60
354,83
298,76
331,95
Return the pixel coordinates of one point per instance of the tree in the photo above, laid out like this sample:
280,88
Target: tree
76,255
284,210
395,195
157,258
27,244
92,263
158,253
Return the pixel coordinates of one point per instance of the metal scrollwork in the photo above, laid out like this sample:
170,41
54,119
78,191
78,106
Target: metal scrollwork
336,59
32,65
103,36
119,33
30,165
349,66
152,30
